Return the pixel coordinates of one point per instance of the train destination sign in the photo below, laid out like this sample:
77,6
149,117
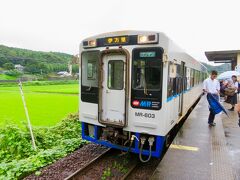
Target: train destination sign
116,40
147,54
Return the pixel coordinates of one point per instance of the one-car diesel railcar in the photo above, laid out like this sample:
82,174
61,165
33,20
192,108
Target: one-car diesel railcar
135,87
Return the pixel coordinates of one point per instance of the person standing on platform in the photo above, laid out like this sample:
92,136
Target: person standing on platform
237,108
212,86
233,99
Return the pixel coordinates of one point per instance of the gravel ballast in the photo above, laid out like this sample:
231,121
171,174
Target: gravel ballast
69,164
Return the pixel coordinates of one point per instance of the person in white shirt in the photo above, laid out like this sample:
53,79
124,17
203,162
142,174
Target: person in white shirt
212,86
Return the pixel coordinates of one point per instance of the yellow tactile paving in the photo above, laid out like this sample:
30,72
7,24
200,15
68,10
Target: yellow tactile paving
181,147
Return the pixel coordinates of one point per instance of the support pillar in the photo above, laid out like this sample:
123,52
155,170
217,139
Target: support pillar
238,59
238,65
237,68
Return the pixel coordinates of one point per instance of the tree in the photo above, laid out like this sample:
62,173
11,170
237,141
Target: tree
3,60
75,68
35,62
8,66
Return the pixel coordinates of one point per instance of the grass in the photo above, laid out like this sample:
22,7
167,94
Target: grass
6,77
47,104
39,83
59,88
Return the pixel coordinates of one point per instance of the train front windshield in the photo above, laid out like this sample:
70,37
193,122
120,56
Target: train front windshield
147,77
146,74
89,76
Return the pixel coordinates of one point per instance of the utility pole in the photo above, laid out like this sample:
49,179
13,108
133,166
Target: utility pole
27,115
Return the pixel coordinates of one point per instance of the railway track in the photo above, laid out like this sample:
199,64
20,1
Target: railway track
110,164
132,169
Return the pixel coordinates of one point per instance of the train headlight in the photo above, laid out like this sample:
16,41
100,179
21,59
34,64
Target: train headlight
147,39
142,39
92,43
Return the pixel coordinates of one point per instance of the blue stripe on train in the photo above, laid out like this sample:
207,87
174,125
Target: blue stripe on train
176,95
157,153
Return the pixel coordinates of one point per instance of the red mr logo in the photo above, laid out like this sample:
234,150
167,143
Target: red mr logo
135,103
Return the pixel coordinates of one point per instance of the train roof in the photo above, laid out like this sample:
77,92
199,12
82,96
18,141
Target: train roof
140,32
124,32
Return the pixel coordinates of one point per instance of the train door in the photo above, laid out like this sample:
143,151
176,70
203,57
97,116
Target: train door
113,91
182,87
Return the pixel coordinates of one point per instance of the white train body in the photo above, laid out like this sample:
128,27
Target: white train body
135,84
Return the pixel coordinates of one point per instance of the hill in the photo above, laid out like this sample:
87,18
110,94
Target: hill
220,68
36,62
33,61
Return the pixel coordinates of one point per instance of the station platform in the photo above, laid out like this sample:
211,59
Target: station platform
201,152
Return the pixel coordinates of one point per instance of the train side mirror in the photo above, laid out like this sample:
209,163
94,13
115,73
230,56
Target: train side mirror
165,58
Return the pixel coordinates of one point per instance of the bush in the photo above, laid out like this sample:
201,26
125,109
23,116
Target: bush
18,158
8,66
14,144
14,73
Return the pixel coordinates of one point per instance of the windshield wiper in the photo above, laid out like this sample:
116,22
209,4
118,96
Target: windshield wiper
89,89
145,90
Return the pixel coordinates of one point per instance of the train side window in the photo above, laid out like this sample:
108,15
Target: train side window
177,85
200,77
196,77
178,80
185,79
172,71
175,80
188,78
192,78
170,86
178,70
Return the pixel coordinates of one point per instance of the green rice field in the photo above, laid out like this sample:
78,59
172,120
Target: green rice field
47,104
6,77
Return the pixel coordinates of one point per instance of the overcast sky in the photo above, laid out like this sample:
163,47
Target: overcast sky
60,25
